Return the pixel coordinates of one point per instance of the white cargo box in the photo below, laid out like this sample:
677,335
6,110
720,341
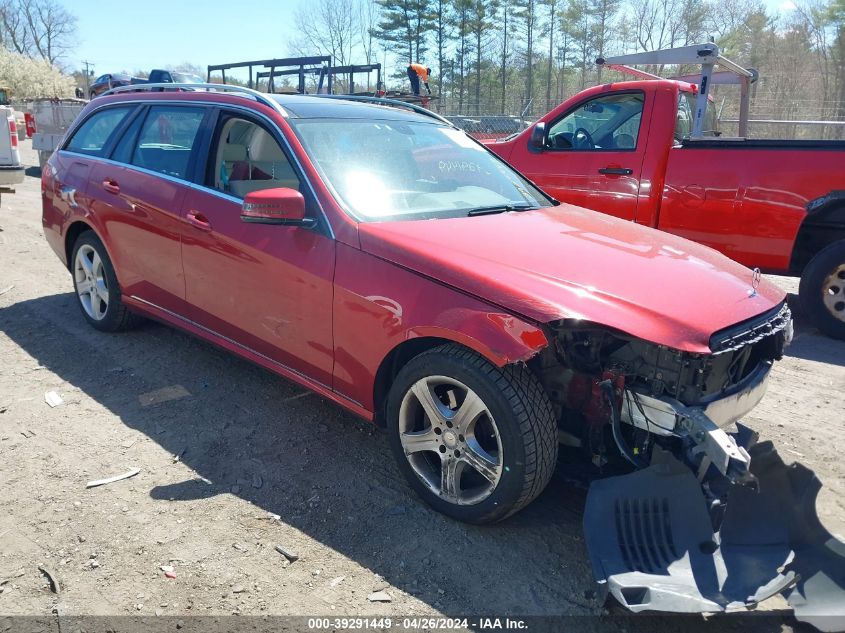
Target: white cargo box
55,117
46,142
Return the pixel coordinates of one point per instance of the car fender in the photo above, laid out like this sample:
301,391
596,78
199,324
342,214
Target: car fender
380,307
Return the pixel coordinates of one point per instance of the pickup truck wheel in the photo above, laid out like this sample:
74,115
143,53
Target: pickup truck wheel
97,290
477,442
822,290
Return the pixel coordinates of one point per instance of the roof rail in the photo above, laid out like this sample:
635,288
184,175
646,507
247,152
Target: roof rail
260,97
388,102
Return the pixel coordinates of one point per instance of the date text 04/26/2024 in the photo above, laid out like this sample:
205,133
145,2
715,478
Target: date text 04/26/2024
417,623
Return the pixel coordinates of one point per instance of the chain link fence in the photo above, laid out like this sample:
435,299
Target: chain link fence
769,118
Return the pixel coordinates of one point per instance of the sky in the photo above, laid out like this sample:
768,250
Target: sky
128,35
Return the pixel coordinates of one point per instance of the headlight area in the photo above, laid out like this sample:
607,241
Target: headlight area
619,397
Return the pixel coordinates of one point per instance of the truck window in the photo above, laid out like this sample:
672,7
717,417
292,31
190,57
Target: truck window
167,138
606,123
683,121
92,136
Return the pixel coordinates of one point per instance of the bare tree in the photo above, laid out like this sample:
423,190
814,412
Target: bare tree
367,16
327,27
37,28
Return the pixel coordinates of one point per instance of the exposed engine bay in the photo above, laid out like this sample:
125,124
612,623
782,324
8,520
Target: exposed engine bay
686,511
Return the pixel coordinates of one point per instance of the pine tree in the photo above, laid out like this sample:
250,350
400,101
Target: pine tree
481,16
463,16
404,25
528,16
551,22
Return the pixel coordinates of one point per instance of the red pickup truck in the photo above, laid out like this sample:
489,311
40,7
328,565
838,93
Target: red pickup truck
625,149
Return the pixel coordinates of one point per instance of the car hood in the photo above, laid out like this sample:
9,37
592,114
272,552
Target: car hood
570,263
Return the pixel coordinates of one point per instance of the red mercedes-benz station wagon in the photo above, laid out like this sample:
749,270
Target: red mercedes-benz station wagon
378,255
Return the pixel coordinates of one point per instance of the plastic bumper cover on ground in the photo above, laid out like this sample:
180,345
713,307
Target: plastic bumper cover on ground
652,544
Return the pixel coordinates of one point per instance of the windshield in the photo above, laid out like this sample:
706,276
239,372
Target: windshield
382,169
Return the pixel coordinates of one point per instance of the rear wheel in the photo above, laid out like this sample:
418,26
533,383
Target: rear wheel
97,290
477,442
822,290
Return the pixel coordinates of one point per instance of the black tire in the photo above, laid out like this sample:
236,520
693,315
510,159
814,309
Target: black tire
117,316
826,274
523,417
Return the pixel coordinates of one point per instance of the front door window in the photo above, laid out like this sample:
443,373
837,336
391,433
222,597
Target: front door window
610,122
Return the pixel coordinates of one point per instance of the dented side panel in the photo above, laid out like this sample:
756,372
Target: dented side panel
379,305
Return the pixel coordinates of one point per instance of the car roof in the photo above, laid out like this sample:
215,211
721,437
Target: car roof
315,107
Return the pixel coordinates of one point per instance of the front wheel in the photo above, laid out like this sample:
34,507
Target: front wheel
477,442
822,290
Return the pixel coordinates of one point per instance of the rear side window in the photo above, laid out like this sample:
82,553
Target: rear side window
166,139
94,133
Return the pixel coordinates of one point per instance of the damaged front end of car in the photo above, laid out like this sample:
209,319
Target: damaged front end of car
686,511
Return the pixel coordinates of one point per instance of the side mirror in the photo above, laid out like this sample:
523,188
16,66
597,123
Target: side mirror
276,206
537,141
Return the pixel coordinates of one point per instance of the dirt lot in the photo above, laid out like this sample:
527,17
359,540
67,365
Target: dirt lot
251,444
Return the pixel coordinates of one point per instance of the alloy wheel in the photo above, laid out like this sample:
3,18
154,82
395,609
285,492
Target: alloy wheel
450,440
91,283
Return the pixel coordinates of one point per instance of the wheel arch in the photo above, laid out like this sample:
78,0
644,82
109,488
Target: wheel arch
72,234
823,225
77,228
423,339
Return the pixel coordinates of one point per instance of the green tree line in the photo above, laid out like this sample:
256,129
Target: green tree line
512,56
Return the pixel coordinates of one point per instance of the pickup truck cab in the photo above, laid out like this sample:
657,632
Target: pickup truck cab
625,149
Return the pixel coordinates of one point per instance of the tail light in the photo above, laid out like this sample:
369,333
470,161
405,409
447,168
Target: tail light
29,120
13,130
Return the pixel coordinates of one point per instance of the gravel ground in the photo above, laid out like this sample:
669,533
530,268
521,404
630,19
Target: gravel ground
234,460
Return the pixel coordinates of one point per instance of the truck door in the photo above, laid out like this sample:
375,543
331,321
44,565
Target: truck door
593,154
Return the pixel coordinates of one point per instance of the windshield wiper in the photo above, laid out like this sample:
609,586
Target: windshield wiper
500,208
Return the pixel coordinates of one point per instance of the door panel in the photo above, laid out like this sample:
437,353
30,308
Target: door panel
593,156
138,197
267,287
140,213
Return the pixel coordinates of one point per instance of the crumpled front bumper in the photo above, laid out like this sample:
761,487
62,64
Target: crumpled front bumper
653,547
